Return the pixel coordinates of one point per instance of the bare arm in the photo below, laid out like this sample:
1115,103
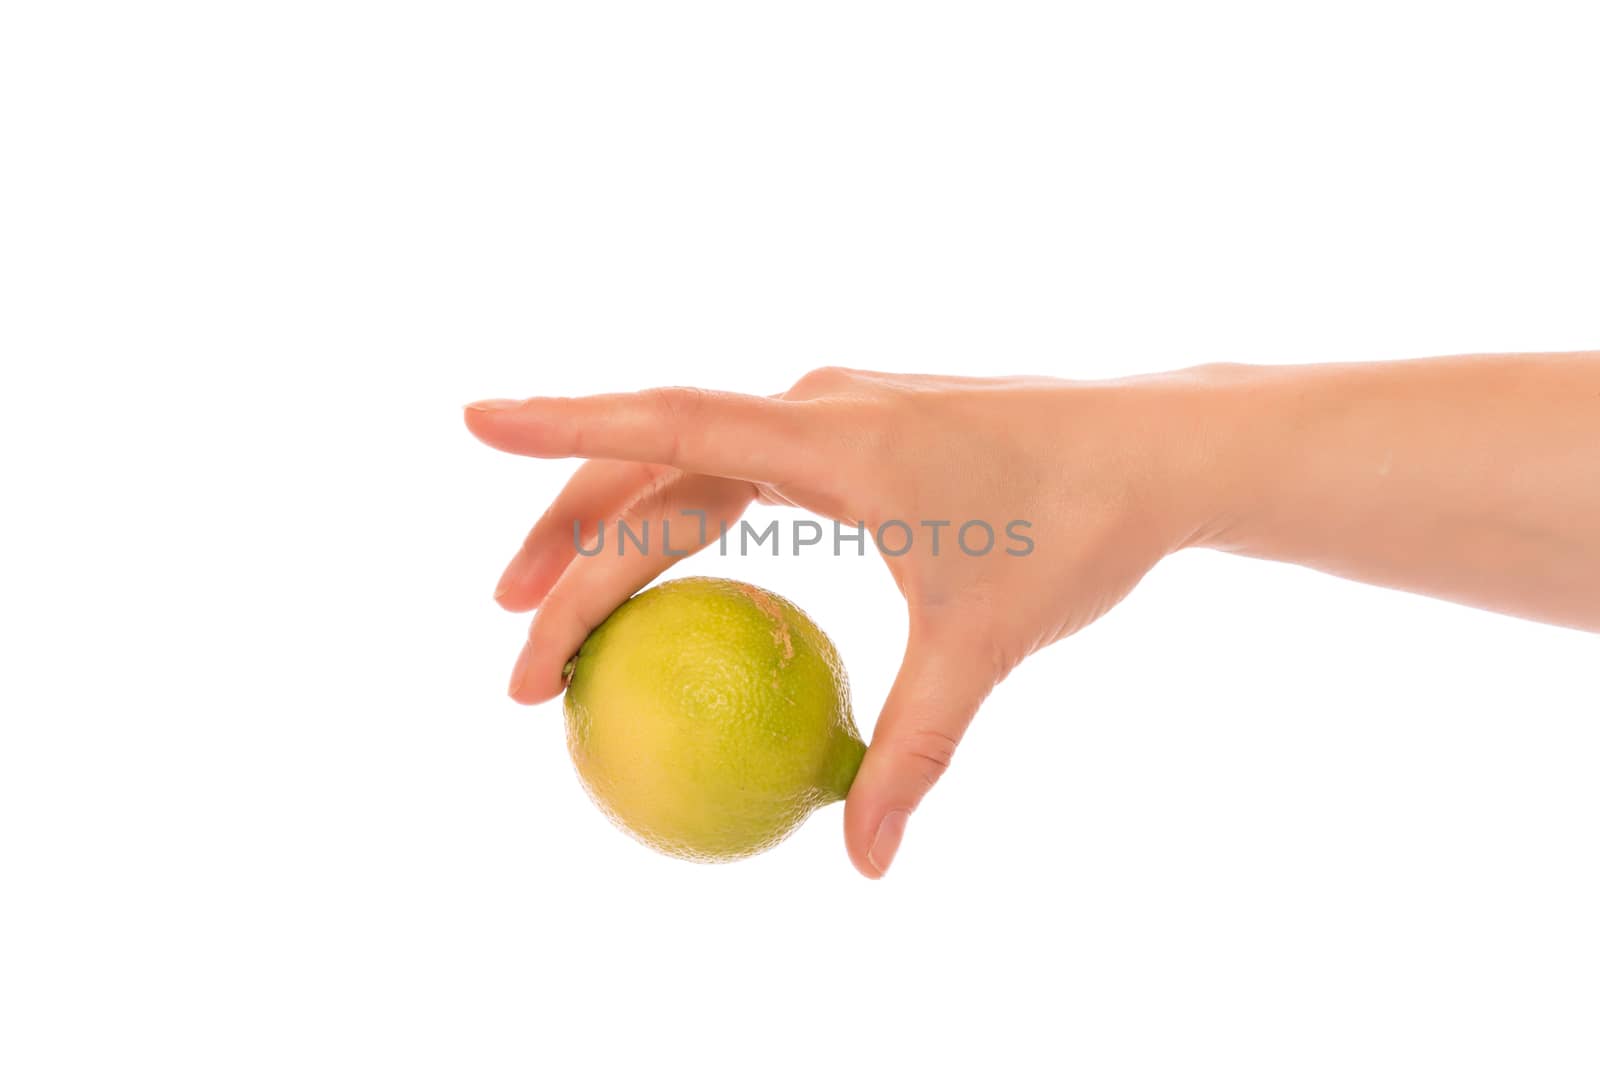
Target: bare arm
1474,478
1470,478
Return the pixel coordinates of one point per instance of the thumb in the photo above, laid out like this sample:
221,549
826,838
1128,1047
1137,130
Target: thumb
945,675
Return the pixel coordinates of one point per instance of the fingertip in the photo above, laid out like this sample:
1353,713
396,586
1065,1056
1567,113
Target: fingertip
872,847
537,694
531,691
510,600
506,425
864,815
859,861
537,676
512,592
528,688
527,581
478,412
517,686
886,840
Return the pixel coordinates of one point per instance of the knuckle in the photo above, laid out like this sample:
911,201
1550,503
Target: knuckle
969,624
930,751
820,381
855,433
680,408
678,401
878,425
657,492
645,511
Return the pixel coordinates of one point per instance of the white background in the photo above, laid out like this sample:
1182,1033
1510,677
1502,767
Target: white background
262,799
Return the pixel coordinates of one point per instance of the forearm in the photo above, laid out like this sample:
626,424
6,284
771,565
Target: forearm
1472,478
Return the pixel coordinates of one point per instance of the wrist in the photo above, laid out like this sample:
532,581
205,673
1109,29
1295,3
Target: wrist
1217,443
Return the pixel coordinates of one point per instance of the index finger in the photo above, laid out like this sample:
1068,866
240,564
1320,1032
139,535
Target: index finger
728,435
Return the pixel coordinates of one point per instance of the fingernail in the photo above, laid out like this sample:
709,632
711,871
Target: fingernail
521,668
887,841
505,582
515,574
492,405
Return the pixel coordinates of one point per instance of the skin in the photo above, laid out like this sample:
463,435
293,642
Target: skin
1470,478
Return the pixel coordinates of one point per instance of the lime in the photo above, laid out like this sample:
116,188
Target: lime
708,718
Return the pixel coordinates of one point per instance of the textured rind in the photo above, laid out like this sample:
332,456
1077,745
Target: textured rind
699,740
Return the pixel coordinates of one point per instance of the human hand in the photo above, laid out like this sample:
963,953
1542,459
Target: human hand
1089,470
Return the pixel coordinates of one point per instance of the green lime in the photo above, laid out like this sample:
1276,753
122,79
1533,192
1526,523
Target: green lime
708,718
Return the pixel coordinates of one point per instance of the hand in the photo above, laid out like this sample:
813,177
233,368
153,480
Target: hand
1089,468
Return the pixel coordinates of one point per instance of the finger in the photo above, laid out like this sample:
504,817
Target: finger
730,435
596,492
943,678
593,586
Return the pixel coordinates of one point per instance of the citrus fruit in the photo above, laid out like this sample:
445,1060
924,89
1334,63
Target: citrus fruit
708,718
